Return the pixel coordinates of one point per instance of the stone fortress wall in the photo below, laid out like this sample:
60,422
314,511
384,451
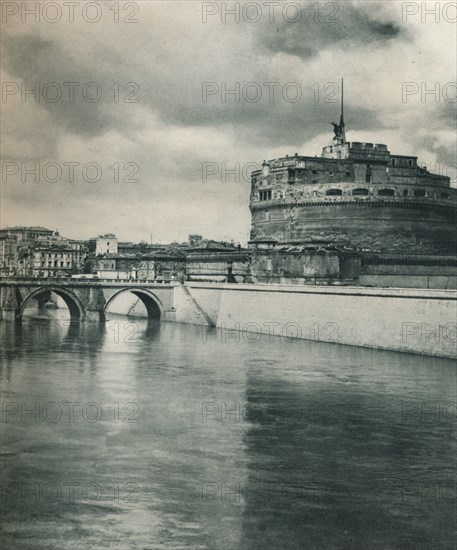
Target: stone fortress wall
357,194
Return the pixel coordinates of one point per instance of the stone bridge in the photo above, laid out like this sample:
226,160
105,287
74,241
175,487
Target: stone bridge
86,299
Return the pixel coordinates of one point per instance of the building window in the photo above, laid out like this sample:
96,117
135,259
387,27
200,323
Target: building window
444,195
410,162
368,174
360,191
405,192
333,192
265,195
386,193
394,162
419,193
314,171
348,174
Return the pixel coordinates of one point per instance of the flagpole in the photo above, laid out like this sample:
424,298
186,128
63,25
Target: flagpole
342,97
342,125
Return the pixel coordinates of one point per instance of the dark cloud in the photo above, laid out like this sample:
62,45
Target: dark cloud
349,26
280,122
32,59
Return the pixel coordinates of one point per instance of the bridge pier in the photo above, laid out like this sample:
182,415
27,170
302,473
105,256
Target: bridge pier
95,310
10,304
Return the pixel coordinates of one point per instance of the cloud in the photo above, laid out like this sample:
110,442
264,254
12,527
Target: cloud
171,131
332,25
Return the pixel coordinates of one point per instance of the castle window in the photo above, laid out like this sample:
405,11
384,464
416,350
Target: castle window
278,177
394,162
405,192
314,171
265,195
360,191
444,195
410,162
368,174
333,192
419,193
386,193
348,174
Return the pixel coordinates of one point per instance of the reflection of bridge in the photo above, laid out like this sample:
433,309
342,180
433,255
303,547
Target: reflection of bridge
86,299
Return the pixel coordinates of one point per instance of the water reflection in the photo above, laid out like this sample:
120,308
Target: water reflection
135,434
347,466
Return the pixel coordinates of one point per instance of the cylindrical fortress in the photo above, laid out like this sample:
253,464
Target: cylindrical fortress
356,195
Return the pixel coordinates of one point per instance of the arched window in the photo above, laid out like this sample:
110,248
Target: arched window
419,193
360,191
333,192
386,193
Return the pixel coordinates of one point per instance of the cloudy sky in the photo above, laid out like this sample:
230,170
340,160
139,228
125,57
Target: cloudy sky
147,143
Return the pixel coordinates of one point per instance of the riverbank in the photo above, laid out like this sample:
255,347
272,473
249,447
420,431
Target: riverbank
408,320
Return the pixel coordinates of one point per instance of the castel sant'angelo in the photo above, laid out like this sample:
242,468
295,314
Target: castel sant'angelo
355,194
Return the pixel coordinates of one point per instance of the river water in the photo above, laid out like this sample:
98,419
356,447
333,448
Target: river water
131,435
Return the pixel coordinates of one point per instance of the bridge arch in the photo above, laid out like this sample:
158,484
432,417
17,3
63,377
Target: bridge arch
151,302
73,303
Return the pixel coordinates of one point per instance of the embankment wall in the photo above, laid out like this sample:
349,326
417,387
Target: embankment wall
409,320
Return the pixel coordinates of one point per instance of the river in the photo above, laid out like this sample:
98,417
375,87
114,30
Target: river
135,435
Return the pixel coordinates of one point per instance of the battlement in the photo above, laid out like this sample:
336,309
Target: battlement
358,145
357,151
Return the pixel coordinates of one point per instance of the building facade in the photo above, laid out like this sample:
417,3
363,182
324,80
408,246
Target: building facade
26,233
354,195
103,244
54,257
